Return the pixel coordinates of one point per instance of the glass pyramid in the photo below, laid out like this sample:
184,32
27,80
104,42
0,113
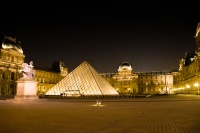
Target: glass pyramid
83,80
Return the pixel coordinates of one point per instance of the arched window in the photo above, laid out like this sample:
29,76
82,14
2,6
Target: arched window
12,76
3,75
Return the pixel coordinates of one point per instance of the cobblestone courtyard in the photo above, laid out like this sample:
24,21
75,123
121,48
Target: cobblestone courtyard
156,114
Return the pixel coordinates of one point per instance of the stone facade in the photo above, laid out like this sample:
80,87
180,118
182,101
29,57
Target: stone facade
48,77
126,81
187,78
11,59
156,82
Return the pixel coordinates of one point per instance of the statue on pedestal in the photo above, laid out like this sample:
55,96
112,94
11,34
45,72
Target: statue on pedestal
27,70
27,86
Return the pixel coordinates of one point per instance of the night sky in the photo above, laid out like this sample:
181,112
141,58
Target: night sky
151,36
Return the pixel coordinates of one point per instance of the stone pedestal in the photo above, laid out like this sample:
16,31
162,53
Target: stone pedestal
26,90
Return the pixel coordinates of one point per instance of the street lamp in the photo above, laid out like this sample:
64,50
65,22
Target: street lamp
188,86
197,85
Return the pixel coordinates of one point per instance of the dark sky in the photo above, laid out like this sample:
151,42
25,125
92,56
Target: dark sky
151,36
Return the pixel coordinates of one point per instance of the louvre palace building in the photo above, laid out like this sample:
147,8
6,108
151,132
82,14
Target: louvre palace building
85,80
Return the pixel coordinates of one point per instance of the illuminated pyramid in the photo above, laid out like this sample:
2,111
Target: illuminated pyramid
83,80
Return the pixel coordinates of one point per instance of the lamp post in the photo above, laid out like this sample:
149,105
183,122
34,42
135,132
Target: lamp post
197,85
188,86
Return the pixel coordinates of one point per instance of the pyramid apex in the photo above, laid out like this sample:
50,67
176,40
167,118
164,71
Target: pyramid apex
85,62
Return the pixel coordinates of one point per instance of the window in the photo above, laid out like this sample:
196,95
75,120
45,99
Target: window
12,76
3,75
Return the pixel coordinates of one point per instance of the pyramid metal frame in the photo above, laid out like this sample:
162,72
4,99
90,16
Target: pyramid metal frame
83,80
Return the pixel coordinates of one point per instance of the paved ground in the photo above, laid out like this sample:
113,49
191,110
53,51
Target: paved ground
156,114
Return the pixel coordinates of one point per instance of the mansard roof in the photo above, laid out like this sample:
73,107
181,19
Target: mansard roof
189,58
10,43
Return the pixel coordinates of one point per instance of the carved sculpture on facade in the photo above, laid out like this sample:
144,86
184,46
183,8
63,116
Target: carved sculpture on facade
27,70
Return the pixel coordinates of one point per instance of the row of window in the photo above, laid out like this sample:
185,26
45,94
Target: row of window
154,83
156,77
4,76
9,58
